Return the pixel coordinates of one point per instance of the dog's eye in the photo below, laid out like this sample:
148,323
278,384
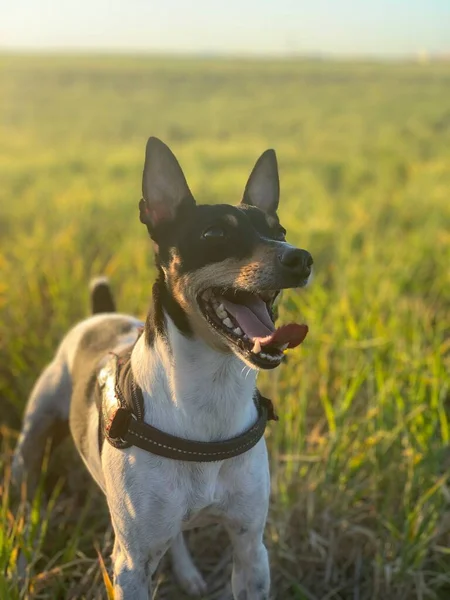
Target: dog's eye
213,232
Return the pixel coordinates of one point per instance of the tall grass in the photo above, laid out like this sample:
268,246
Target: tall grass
360,461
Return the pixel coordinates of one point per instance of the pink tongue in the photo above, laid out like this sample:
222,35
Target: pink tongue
255,321
292,334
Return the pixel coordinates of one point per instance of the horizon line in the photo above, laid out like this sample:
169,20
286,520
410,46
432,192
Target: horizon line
420,54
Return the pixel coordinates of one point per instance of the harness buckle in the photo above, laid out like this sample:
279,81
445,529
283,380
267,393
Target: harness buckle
117,426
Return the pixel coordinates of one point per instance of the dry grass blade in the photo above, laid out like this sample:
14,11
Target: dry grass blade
105,575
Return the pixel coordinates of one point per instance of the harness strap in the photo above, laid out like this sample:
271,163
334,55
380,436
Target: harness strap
122,421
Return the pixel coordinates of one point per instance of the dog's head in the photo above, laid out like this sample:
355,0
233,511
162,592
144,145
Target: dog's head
222,266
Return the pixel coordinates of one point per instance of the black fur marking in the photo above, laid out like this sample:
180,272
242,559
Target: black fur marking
102,300
154,323
101,338
94,346
244,228
157,231
163,301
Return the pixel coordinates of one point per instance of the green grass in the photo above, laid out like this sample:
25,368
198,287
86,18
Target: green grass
360,460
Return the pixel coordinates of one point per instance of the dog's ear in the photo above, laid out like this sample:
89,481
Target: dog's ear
164,186
263,185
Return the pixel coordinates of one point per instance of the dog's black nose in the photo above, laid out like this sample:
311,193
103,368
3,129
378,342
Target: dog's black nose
297,261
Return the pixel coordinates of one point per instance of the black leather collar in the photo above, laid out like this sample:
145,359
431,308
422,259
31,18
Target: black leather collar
122,421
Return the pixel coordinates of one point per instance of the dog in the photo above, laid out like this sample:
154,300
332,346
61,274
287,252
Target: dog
194,361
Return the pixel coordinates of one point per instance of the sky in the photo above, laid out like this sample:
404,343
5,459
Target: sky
385,28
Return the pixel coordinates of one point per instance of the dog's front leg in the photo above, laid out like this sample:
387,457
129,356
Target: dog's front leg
251,573
133,573
245,514
146,518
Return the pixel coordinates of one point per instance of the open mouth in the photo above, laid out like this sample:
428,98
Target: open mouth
246,320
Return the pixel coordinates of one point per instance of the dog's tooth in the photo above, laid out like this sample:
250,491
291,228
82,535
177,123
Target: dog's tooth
227,322
221,312
256,347
237,331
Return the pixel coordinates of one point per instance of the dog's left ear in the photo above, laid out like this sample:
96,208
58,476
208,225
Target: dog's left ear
164,186
263,185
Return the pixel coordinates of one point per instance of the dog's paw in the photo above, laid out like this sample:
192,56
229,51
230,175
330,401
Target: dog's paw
191,581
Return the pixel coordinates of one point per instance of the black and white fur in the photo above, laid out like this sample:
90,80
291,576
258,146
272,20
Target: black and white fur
197,381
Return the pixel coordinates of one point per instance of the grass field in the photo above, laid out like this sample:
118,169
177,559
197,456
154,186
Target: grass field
360,461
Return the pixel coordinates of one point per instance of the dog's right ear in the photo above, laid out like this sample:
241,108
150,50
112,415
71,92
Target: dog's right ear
164,186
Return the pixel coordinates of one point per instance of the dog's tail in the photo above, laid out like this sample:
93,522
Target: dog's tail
102,300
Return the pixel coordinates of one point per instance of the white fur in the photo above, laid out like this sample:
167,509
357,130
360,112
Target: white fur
197,393
194,392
